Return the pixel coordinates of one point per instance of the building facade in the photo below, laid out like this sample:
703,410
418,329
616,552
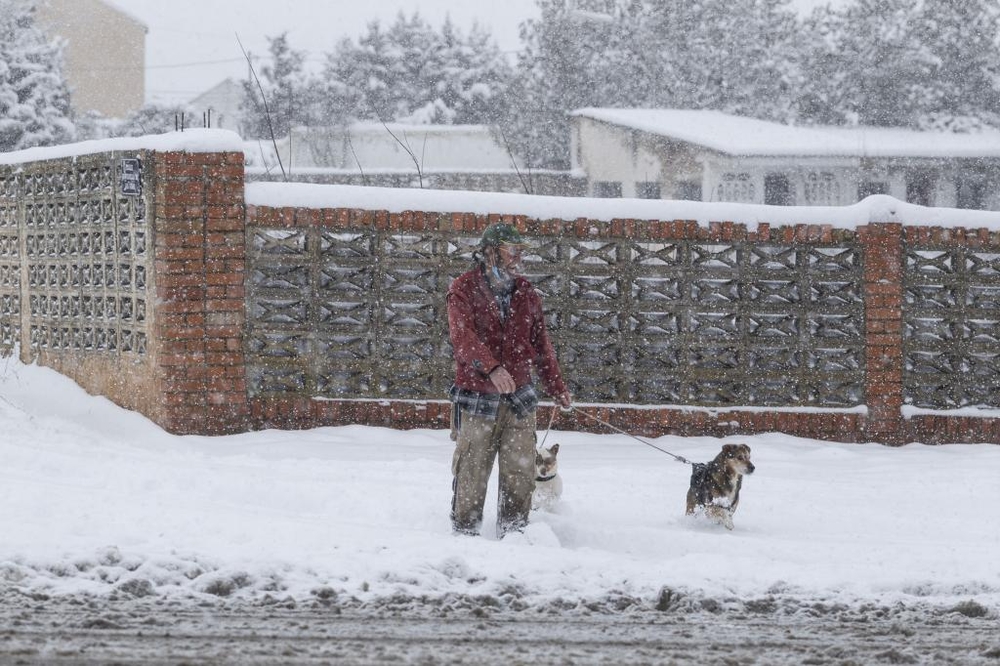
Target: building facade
105,51
712,156
222,104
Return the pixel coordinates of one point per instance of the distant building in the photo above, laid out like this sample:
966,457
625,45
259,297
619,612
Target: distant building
713,156
224,101
452,157
371,146
105,54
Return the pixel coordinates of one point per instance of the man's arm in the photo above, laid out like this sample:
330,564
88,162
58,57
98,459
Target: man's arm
545,359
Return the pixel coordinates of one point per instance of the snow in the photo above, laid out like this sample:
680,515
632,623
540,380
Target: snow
98,501
735,135
876,208
191,141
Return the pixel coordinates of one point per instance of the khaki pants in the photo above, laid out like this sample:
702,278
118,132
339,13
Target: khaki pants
480,441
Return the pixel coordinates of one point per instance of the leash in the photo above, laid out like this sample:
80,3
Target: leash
552,417
678,458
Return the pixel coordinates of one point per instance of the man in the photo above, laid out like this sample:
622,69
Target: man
498,335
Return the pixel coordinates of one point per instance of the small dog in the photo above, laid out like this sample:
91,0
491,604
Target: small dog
715,486
548,483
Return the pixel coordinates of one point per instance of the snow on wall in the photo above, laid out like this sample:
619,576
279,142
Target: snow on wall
878,208
189,141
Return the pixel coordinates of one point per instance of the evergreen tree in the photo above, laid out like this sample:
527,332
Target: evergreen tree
739,56
469,78
958,41
34,98
286,100
357,77
412,73
413,66
865,66
557,72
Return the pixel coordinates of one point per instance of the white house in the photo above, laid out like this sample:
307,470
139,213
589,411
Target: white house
713,156
446,157
224,102
368,146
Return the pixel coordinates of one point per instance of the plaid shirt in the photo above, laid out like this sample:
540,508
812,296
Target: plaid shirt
523,401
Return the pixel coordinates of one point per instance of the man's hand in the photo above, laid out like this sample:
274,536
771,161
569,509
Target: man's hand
502,380
564,400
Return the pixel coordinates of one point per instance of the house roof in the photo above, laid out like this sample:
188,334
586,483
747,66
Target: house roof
119,7
738,136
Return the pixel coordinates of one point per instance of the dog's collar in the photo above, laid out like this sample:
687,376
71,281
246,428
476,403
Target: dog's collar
544,478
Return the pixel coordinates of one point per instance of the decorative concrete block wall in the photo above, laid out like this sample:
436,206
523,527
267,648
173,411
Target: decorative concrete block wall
123,268
172,295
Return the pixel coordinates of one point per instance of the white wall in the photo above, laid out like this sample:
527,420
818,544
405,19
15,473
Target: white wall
374,146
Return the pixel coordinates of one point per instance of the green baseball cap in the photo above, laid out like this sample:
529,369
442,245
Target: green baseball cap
501,234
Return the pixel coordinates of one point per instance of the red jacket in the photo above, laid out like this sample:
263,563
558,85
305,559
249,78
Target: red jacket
481,341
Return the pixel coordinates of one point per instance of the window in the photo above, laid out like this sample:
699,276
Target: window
688,191
971,194
821,189
647,190
777,190
736,187
867,188
607,189
920,189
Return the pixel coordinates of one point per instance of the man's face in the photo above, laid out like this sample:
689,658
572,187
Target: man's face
508,259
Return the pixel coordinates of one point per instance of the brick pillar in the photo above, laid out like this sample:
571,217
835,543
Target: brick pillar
199,270
883,292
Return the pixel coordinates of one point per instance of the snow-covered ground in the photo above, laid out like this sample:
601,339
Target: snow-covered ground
97,501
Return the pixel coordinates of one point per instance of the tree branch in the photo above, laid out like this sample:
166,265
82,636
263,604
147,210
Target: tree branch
267,111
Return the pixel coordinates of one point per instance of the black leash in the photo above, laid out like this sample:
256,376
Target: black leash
619,430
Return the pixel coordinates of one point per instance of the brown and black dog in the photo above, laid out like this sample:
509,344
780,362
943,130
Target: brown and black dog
715,486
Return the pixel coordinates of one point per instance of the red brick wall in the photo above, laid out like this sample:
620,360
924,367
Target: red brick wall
199,266
883,275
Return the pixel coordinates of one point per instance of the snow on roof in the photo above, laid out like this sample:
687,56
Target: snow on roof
189,141
735,135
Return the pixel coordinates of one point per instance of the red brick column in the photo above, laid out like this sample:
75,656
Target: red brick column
883,292
198,315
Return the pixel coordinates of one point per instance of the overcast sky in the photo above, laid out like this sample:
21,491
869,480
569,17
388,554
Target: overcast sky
191,44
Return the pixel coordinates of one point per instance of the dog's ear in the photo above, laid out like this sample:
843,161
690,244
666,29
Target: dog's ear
538,458
729,450
554,449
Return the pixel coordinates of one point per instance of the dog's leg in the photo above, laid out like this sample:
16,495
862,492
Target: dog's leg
720,514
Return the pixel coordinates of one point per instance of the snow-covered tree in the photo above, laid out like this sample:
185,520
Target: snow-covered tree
34,98
739,56
358,77
557,71
958,42
156,119
286,100
469,76
413,73
865,66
